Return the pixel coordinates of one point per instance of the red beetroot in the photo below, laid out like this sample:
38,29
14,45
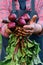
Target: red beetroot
11,25
12,17
26,17
21,22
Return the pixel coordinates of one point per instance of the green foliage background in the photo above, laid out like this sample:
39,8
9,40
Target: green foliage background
0,41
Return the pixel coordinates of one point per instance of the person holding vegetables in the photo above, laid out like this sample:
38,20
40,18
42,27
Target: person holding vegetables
19,7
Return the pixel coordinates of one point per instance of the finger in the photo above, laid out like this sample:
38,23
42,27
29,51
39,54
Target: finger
33,20
28,31
24,33
28,34
29,27
19,31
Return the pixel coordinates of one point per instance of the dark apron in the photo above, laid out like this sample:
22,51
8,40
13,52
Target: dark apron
37,38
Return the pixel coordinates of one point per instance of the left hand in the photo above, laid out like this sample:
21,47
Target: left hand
32,28
5,31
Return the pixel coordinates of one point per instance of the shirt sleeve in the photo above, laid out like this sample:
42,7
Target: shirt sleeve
3,28
4,13
40,11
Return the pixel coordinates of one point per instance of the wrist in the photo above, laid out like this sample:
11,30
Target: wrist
37,28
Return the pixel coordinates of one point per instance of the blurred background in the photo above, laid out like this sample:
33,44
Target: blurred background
0,43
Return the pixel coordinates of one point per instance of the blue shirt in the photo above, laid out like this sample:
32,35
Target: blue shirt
22,4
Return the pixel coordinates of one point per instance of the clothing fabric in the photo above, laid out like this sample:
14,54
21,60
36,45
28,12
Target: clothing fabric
4,45
6,7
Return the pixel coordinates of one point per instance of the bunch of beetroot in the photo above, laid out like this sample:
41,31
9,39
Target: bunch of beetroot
16,24
14,21
20,50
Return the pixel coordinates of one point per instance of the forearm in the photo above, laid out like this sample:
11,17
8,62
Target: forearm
4,13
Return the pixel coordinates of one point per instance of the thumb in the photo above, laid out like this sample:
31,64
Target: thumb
33,20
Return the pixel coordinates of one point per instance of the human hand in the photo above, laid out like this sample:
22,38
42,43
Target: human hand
33,27
3,30
20,31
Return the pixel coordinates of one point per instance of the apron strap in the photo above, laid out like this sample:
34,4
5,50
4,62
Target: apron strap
18,12
33,5
14,10
13,7
33,12
33,8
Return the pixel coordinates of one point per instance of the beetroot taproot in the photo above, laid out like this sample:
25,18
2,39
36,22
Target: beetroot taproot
12,17
26,17
11,25
21,22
